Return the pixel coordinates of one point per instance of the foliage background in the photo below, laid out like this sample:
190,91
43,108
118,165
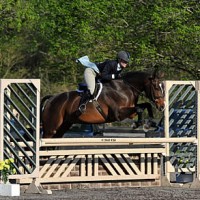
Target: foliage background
42,38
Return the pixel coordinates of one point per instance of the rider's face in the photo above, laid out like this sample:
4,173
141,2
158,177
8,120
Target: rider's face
123,63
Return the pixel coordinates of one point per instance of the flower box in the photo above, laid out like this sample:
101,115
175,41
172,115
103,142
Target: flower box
184,177
9,189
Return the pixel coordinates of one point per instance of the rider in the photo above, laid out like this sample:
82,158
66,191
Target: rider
106,71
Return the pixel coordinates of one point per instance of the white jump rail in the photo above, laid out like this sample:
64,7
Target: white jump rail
114,141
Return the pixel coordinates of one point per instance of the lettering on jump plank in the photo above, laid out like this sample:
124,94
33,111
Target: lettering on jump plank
108,140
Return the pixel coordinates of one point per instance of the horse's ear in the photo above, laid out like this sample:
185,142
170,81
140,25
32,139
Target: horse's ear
161,75
158,74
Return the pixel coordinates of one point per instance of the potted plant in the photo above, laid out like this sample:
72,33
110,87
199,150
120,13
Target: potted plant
6,169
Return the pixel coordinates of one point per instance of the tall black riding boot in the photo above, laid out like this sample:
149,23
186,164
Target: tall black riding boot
84,100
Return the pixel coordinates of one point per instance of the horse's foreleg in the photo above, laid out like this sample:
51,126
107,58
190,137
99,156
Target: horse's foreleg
147,106
140,109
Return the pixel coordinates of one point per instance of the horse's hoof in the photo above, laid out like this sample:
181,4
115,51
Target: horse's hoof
146,127
98,134
134,125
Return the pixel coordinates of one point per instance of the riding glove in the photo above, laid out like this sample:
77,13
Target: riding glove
118,76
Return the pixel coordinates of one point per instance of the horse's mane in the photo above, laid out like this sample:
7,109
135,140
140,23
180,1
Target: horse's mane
135,74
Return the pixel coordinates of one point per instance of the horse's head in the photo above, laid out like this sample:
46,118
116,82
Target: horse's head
155,90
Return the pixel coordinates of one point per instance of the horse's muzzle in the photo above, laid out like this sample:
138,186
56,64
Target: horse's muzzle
160,104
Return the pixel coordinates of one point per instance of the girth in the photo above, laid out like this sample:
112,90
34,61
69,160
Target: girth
98,107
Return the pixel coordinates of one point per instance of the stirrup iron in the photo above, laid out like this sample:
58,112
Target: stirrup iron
82,108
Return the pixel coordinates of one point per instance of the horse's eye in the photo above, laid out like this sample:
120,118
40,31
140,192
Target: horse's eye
154,82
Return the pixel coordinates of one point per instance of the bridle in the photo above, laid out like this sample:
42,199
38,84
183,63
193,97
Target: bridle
152,90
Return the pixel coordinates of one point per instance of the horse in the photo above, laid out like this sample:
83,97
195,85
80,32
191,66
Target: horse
117,101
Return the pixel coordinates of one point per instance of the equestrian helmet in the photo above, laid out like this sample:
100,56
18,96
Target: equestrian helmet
124,56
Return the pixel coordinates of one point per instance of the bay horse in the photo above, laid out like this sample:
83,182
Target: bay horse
117,100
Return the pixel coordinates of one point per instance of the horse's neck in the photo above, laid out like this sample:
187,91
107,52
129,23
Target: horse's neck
122,85
136,87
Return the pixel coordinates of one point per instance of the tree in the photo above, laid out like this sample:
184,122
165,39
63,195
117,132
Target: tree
41,39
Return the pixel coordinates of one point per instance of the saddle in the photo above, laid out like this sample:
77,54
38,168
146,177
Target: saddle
83,90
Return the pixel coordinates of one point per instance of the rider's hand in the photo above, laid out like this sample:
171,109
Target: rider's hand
118,76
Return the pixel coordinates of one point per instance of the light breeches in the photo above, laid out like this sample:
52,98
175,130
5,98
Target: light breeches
89,77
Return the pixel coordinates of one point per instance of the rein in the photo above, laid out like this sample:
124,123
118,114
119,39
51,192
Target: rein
142,94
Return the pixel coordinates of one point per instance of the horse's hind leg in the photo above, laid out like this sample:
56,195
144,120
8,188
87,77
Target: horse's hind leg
51,122
62,130
49,129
